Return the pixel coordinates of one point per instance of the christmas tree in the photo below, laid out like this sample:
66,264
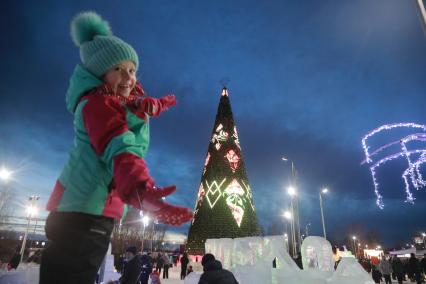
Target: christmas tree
224,206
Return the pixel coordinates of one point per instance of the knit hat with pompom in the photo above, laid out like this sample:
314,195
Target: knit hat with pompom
99,49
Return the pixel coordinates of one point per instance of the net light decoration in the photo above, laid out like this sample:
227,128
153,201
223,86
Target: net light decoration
412,176
224,207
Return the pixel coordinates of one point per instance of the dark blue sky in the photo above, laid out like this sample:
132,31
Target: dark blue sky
307,80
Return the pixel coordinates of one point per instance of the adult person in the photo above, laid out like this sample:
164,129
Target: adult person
146,265
398,269
386,269
414,265
214,273
160,263
183,265
132,270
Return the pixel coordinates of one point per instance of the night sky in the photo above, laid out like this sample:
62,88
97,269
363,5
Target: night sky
307,79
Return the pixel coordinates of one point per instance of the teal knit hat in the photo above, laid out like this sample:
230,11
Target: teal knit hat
99,49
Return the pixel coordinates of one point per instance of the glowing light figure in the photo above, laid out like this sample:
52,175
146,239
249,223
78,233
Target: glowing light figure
236,139
233,159
214,192
200,197
234,194
249,194
206,162
219,136
412,173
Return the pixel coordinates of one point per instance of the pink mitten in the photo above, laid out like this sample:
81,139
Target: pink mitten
152,201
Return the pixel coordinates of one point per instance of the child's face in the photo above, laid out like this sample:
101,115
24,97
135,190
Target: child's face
121,78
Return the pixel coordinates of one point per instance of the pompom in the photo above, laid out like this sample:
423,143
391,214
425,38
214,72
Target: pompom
86,25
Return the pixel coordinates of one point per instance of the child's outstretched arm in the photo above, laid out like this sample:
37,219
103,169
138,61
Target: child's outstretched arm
105,122
153,107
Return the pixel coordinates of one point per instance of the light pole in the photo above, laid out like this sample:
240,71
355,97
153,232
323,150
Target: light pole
145,222
31,212
354,245
296,202
289,216
323,191
292,192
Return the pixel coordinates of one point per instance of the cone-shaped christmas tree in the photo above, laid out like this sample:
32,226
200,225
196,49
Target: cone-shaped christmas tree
224,206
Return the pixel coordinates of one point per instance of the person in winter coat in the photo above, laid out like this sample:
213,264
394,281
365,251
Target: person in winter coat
146,268
398,269
423,263
132,270
106,167
166,266
414,266
214,273
375,273
160,263
385,268
183,265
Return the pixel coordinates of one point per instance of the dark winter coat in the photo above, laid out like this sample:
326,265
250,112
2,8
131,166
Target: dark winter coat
423,264
132,271
146,268
215,274
160,261
377,276
184,262
413,265
397,266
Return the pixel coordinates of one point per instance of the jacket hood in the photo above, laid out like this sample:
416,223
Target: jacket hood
213,265
81,81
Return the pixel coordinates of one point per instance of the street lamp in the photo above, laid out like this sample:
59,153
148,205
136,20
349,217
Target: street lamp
354,245
145,222
323,191
292,192
289,216
296,203
31,212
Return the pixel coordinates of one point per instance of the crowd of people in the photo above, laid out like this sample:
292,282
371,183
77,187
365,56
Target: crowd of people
394,268
139,269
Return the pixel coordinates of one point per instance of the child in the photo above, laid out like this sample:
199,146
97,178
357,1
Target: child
155,277
106,167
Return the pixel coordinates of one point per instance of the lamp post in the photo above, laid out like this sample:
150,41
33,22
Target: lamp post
323,191
296,203
145,222
292,192
31,212
289,216
424,244
354,245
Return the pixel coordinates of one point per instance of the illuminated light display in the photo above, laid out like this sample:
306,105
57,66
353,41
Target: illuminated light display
236,139
412,174
219,136
224,207
233,160
213,194
206,162
234,195
249,195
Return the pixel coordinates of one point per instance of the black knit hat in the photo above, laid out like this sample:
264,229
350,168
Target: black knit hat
208,257
132,249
